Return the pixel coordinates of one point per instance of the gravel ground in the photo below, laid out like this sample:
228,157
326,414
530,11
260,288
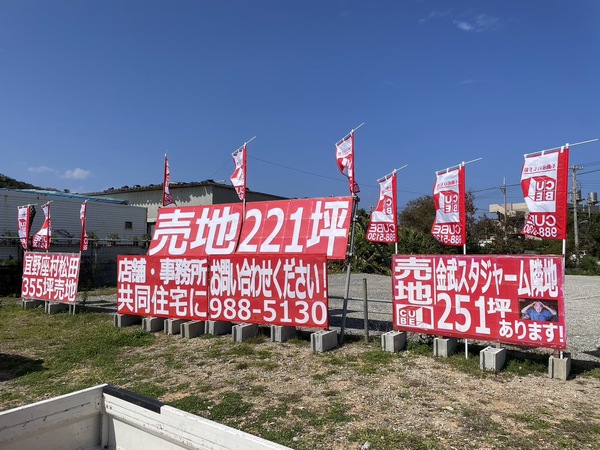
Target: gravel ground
582,300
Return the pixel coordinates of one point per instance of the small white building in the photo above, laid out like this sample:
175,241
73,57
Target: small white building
202,193
108,221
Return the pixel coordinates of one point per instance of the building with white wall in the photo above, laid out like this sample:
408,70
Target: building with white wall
200,193
109,221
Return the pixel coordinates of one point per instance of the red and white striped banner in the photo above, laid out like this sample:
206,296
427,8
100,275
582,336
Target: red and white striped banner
24,220
41,239
450,225
344,155
83,243
167,197
544,181
238,178
383,220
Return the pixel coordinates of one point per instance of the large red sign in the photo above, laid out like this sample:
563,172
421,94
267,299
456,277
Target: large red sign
270,289
265,289
163,287
309,226
511,299
50,276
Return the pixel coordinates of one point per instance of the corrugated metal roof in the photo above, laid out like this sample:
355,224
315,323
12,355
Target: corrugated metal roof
67,195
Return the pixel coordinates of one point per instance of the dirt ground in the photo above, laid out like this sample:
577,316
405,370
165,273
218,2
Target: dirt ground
407,401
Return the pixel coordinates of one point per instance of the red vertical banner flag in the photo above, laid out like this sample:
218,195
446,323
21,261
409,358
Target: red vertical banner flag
83,244
238,178
167,197
450,225
383,220
544,181
344,155
41,239
24,219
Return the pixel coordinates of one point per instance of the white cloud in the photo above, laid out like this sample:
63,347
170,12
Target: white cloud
477,23
435,15
77,174
41,169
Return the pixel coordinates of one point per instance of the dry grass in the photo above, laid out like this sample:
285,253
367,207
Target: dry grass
283,392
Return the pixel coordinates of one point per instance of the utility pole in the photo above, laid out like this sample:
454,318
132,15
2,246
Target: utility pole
575,225
503,188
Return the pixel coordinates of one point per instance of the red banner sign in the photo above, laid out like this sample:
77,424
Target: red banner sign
163,287
270,289
50,276
41,239
24,218
308,226
265,289
382,223
450,225
344,155
512,299
544,181
238,177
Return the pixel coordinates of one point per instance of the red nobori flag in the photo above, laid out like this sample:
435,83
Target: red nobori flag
24,224
544,181
238,178
41,239
83,243
344,155
382,224
450,225
167,197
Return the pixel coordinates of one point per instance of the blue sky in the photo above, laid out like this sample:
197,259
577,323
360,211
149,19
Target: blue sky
93,93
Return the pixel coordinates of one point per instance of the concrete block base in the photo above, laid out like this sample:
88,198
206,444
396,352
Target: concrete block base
281,333
323,340
492,359
173,326
393,341
53,308
444,347
153,324
125,320
218,328
559,368
244,331
30,304
192,329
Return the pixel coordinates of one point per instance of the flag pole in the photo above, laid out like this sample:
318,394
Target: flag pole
350,256
385,177
458,165
245,143
353,130
558,148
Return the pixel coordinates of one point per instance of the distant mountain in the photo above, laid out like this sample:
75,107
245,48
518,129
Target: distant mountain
11,183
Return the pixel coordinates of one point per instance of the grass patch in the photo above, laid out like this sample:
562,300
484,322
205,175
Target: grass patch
268,366
386,439
194,405
532,422
148,389
418,348
231,405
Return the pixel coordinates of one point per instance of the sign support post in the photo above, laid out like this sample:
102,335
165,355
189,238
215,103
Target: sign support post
350,257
